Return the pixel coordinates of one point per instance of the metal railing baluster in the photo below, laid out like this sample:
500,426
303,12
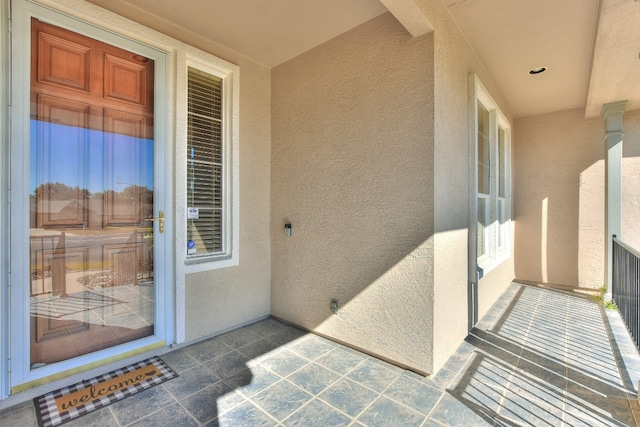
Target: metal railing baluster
626,286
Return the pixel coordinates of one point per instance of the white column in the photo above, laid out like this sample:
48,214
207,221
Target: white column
612,115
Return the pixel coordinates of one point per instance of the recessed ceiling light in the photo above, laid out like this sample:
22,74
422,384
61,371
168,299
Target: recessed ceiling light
538,70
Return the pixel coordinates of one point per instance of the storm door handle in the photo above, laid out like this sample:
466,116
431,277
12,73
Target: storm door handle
160,219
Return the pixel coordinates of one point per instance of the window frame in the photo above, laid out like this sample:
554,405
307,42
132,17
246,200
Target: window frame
205,161
497,237
229,74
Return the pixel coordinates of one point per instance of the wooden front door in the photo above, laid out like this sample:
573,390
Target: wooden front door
91,183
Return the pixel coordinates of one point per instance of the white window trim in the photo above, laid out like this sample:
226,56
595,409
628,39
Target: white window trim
486,238
229,74
496,253
4,154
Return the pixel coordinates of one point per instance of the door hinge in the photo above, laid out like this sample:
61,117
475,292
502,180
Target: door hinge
9,22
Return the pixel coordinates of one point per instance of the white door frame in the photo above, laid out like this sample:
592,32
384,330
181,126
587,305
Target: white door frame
17,332
4,223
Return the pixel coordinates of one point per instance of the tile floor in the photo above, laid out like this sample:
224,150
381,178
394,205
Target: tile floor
540,357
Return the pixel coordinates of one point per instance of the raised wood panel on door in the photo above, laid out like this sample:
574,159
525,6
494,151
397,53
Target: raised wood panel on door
64,63
122,140
85,68
125,81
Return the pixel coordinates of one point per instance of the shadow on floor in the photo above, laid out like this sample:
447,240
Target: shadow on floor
547,360
540,357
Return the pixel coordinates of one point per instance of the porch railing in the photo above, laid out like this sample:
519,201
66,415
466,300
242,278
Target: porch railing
626,286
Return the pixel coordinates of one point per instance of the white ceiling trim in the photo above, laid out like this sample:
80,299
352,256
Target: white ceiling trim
409,15
615,71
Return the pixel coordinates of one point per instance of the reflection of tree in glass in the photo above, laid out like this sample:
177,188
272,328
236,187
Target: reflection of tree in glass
129,206
133,192
60,191
55,204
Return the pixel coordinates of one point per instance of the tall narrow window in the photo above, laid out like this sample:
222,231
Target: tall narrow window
502,188
492,217
484,178
205,165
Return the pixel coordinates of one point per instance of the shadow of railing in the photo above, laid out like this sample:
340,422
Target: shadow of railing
549,359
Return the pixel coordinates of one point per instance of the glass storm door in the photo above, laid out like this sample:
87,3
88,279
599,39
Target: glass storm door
91,192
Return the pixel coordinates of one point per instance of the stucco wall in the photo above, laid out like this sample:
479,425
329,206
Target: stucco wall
631,180
454,62
341,240
559,196
559,199
218,300
352,171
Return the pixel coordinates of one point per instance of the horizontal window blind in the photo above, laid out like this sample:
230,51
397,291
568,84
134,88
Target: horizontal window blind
205,164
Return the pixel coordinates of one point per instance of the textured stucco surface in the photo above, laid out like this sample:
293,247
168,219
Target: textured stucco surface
217,300
631,180
352,170
454,61
559,199
381,227
559,196
451,185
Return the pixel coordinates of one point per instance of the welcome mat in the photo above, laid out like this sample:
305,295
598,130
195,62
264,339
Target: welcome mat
71,402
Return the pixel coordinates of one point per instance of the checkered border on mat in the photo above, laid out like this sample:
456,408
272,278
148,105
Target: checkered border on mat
48,415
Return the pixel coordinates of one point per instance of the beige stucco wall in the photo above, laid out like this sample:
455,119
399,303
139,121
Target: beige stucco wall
383,228
451,183
352,170
631,180
221,299
559,196
454,62
559,199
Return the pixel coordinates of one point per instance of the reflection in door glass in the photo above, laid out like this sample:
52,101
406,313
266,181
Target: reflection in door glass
91,188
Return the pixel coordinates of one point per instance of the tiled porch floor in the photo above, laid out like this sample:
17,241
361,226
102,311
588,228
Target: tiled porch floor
540,357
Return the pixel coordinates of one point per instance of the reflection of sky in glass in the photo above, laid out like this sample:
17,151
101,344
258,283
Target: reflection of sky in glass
90,159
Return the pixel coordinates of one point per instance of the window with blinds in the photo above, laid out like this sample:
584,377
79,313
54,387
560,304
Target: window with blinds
205,165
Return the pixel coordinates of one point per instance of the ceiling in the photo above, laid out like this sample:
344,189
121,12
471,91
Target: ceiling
511,37
590,47
267,31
